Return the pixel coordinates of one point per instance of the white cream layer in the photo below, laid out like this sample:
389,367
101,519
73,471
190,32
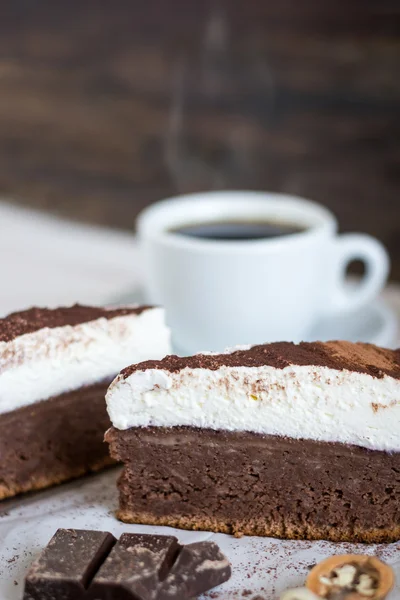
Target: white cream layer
307,402
50,361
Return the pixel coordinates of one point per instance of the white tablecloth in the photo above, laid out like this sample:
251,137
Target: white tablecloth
47,261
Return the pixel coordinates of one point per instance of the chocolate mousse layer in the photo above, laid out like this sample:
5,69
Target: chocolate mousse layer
54,440
254,484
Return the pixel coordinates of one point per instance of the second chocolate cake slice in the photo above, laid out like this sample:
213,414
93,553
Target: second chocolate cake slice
55,367
296,441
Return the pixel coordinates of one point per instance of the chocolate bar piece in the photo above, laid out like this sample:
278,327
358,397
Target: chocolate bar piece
66,566
86,565
156,567
198,568
135,567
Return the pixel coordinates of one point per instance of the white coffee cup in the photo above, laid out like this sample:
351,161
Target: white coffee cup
220,293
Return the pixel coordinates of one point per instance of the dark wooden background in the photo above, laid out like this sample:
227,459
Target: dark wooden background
106,106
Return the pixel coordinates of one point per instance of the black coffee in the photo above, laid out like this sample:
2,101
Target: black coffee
237,230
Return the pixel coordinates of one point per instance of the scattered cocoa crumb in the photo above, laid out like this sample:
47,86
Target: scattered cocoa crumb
247,593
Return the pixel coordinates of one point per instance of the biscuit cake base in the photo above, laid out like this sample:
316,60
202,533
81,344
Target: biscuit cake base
252,484
54,440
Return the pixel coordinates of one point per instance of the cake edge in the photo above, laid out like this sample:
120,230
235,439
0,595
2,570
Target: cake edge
259,528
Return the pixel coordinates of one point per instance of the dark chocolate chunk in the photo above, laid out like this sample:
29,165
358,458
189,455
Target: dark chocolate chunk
86,565
198,568
135,567
66,566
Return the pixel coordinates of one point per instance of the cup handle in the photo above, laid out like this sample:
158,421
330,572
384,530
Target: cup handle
357,246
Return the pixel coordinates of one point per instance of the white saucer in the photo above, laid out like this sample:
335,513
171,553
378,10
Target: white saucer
376,324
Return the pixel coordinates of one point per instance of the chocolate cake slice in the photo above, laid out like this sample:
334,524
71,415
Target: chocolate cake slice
294,441
55,367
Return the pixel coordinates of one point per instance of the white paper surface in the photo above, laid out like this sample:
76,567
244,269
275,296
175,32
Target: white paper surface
260,566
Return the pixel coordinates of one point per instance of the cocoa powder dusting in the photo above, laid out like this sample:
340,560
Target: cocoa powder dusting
33,319
338,355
